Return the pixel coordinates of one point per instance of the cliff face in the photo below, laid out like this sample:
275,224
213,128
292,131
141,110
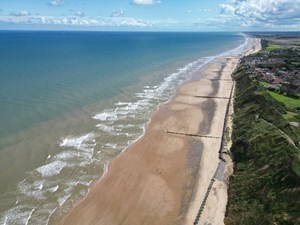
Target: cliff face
265,186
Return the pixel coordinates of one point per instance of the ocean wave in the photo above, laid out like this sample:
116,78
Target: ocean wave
78,142
46,182
63,199
51,169
108,114
122,103
111,145
19,215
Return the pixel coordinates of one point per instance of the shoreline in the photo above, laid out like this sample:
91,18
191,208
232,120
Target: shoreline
202,67
217,193
148,183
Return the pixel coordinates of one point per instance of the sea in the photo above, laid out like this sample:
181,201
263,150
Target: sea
72,101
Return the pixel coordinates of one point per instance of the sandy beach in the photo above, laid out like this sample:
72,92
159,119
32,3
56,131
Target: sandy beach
166,175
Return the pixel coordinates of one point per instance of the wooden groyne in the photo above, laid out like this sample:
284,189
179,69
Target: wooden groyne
219,97
192,135
217,79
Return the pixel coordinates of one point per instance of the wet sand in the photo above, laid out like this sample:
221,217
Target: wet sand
163,177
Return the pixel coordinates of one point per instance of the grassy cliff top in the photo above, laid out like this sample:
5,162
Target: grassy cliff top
265,185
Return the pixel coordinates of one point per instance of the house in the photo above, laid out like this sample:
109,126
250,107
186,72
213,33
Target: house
292,89
278,81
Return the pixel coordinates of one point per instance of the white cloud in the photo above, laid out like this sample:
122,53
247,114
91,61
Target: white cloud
146,2
218,23
132,22
79,13
57,3
264,13
204,10
117,13
77,21
227,8
21,13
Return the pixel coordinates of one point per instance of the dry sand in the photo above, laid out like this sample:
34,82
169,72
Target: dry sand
215,205
163,177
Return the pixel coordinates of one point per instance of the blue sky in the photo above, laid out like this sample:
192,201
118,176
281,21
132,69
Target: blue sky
154,15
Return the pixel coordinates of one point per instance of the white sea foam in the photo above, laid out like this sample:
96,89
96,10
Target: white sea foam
76,141
101,116
118,121
29,216
106,115
66,155
50,214
32,189
39,184
53,189
51,169
111,145
19,215
105,128
121,126
122,103
4,220
83,144
63,199
122,111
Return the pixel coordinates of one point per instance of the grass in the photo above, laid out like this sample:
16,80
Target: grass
265,185
264,84
272,47
290,115
267,85
290,103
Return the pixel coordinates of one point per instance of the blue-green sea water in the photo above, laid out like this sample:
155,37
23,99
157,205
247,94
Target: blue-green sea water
72,101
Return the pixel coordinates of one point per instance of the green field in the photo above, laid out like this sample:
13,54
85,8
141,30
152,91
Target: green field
290,103
272,47
264,84
290,115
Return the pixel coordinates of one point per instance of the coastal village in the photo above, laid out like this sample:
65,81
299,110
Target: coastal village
277,68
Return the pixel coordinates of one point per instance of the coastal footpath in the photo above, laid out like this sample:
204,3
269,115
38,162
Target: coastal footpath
265,185
166,175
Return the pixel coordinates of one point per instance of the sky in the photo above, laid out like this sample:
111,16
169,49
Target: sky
151,15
